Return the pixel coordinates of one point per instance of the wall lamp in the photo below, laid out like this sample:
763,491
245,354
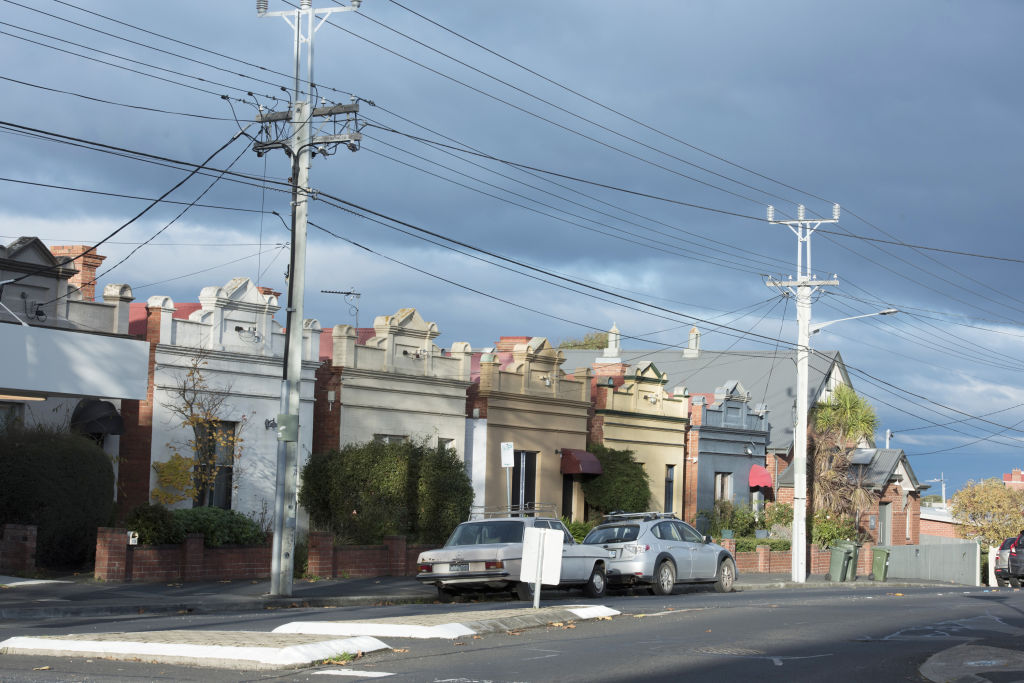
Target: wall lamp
270,424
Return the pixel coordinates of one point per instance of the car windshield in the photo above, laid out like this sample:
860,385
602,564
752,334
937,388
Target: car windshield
613,534
475,533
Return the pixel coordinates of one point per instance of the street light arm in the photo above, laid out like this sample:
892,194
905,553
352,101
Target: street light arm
818,328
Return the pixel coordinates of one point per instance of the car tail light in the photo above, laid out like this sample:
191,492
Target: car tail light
635,549
425,568
494,564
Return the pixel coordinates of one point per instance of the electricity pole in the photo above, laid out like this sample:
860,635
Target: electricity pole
802,287
299,147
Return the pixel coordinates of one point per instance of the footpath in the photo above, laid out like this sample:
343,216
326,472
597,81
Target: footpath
294,644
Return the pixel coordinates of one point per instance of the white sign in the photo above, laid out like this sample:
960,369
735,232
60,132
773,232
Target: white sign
542,556
133,538
508,456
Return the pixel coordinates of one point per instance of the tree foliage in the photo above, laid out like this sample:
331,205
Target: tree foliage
61,482
367,491
591,340
193,466
840,425
623,484
988,511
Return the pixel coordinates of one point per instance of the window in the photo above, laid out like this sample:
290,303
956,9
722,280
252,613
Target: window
670,486
723,486
214,471
689,534
444,444
390,438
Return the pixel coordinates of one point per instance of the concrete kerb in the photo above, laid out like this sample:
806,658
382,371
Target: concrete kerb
292,645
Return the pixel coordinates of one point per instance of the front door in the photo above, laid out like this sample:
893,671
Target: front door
524,480
884,524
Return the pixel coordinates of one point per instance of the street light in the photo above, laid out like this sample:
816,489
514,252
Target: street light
818,328
804,331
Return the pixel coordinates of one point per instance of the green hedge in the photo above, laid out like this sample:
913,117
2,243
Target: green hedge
157,526
61,482
622,485
747,544
367,491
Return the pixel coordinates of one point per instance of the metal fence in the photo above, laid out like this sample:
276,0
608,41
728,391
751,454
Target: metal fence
937,559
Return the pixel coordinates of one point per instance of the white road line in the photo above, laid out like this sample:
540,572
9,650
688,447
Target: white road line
352,672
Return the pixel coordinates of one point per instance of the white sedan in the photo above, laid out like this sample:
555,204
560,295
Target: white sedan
486,555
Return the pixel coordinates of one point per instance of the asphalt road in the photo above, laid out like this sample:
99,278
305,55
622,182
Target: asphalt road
873,634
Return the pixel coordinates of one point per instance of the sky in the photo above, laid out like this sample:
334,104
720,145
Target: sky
551,168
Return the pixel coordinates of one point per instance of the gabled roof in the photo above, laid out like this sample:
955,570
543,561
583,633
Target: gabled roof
873,467
769,376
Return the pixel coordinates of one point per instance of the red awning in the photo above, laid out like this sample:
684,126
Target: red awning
759,477
576,461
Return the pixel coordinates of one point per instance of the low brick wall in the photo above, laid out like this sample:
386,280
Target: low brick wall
188,561
766,561
18,548
392,558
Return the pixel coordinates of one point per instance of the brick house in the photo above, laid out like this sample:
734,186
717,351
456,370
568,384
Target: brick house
232,331
895,516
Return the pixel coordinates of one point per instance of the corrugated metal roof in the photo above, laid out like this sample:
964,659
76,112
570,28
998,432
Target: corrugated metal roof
880,466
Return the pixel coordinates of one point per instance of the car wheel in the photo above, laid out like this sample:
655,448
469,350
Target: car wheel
1001,582
597,584
445,595
1014,581
523,591
664,578
726,576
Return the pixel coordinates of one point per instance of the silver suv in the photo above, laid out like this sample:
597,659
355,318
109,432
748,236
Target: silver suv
658,550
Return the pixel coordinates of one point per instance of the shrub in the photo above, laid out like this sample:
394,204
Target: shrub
220,527
156,525
444,495
779,514
579,530
743,521
367,491
748,544
623,484
61,482
827,528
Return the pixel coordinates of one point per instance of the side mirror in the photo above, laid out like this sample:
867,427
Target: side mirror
707,539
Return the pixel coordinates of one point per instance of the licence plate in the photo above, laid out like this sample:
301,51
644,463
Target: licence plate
458,567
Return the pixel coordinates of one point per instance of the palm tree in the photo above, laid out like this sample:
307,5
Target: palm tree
842,423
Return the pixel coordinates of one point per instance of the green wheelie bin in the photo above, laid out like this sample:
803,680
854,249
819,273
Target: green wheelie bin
879,564
851,566
838,561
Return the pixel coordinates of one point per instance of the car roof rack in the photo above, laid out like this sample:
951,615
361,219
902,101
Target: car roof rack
528,510
637,516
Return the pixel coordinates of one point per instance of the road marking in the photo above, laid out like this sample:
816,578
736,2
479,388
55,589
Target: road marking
352,672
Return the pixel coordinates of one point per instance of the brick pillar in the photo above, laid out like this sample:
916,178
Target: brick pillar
396,555
729,544
321,554
18,548
192,558
764,564
111,554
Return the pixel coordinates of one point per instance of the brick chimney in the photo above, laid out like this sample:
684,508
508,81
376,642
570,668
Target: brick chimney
87,264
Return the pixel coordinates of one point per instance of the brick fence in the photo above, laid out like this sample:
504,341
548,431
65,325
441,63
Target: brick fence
393,558
18,548
763,560
193,561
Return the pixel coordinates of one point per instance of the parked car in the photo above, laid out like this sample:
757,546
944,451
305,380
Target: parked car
658,550
1002,568
485,555
1014,560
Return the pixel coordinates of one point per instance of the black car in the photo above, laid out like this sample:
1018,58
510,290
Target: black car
1002,568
